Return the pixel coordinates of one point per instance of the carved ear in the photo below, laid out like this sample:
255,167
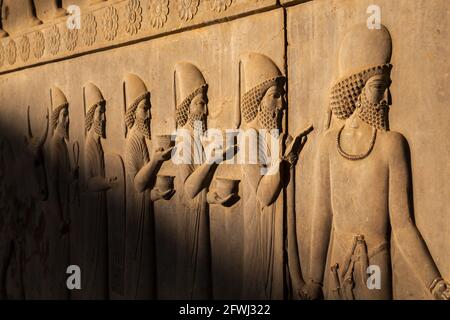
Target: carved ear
388,97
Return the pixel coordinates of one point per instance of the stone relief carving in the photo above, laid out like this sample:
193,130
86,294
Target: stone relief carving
97,183
61,179
21,18
193,275
54,40
164,185
134,16
110,23
363,182
47,10
158,10
11,52
24,48
187,9
89,29
18,15
224,192
220,5
2,55
262,108
21,218
70,38
365,156
38,44
141,169
116,201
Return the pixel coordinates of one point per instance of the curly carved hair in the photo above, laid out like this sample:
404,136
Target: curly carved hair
252,98
55,115
129,115
90,115
345,93
182,112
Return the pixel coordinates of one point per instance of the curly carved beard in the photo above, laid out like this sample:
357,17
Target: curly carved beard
269,119
143,126
374,114
100,128
197,121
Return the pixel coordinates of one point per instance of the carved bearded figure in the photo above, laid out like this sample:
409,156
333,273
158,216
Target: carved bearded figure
141,170
363,183
61,177
193,275
95,254
262,111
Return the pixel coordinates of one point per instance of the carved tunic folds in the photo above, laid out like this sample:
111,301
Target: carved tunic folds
263,240
95,226
139,256
193,242
59,207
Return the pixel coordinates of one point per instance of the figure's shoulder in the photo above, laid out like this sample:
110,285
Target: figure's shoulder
394,140
395,145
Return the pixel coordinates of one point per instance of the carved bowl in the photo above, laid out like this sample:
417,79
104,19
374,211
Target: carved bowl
164,183
225,187
163,141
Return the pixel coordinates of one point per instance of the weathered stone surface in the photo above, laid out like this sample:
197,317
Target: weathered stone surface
110,23
99,107
418,109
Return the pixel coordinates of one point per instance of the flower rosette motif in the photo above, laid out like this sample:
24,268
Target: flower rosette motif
220,5
54,40
187,9
11,52
71,38
24,48
110,23
2,55
134,16
89,29
38,44
158,9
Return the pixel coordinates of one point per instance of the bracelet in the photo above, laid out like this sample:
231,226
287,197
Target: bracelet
434,283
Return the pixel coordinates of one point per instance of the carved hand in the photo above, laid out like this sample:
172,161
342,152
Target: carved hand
220,155
295,145
441,291
312,291
112,181
162,155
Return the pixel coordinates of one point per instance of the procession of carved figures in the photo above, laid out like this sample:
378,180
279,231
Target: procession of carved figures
116,195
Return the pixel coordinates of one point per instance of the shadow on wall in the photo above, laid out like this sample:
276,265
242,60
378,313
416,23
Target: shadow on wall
56,213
